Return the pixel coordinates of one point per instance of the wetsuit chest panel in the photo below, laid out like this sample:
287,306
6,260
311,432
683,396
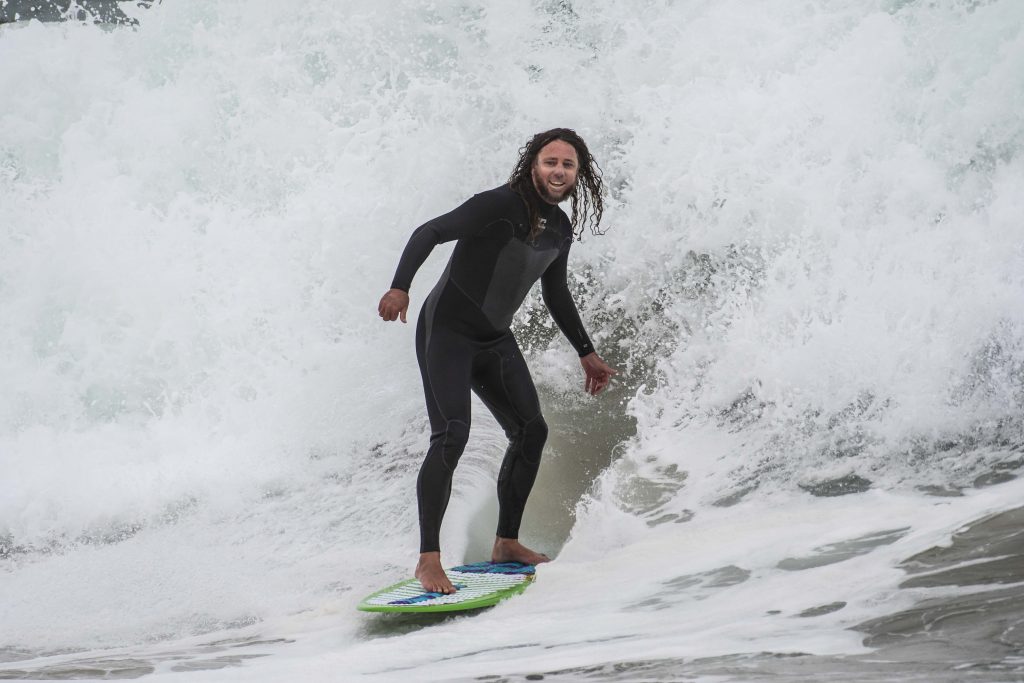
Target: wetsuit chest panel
517,267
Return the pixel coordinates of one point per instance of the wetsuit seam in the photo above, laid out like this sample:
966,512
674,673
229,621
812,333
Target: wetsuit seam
430,379
524,422
508,395
444,460
466,294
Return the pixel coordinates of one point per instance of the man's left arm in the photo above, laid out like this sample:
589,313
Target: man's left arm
558,299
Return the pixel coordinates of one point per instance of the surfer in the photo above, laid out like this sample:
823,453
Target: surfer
507,239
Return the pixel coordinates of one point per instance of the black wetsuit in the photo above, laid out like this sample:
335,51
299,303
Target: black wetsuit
463,342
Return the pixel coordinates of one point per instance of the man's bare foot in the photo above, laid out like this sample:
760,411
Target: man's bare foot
511,550
431,574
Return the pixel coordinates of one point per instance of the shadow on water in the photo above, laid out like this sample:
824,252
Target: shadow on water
386,625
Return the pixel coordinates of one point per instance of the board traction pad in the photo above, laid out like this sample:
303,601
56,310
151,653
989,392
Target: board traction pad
480,584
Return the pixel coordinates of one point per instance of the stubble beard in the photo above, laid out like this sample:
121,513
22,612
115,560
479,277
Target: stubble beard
546,195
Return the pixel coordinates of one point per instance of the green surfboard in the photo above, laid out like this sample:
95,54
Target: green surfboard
481,584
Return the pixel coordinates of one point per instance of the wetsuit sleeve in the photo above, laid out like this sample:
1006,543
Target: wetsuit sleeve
555,290
473,216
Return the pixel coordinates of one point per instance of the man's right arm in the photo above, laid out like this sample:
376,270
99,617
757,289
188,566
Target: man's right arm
474,215
421,243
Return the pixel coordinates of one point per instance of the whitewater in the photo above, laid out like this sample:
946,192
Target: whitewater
811,281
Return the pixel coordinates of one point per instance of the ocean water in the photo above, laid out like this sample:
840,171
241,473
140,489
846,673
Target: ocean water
812,282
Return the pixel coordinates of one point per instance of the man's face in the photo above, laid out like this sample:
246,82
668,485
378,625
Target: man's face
554,171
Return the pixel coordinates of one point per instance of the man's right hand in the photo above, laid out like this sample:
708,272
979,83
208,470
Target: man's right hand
393,305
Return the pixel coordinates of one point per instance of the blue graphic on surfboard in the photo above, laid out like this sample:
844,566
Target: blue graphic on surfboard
480,584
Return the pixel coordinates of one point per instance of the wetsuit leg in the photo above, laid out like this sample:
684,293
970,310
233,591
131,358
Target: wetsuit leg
502,380
445,360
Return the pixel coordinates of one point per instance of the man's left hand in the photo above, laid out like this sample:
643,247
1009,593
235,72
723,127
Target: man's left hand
598,373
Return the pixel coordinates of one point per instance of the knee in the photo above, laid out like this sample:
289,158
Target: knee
451,443
534,435
537,429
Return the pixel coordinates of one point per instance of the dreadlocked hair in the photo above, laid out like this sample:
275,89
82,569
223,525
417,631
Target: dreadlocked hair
586,196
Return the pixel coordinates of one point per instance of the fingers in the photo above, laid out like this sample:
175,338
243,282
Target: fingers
393,305
598,374
385,310
596,382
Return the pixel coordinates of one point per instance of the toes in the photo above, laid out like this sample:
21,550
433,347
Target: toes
439,588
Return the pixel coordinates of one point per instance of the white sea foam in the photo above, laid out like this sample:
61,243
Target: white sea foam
813,277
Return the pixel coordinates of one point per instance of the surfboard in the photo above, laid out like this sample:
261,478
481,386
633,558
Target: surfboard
481,584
